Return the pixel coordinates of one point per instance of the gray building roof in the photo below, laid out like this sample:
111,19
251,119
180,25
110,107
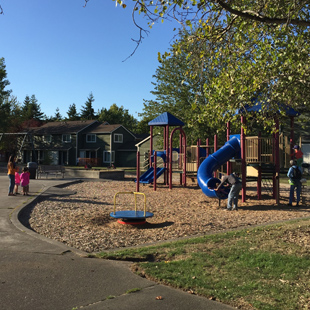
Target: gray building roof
63,127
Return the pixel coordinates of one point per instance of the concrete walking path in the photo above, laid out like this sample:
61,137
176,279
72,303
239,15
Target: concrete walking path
37,273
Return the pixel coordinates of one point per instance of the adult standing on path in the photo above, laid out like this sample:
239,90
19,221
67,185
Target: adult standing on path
11,174
236,186
294,174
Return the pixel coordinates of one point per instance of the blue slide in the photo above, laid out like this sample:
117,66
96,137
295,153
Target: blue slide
148,176
213,162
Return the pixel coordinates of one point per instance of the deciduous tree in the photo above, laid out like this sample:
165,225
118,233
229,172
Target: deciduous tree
251,48
118,115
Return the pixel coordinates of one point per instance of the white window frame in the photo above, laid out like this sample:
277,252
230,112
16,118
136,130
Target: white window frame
107,160
65,140
118,138
47,138
91,135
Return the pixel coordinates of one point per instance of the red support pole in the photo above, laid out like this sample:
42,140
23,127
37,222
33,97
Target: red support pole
170,171
180,152
165,141
292,137
277,163
215,143
274,165
167,155
228,165
243,159
138,171
259,172
215,149
207,148
184,160
155,170
151,142
198,152
184,154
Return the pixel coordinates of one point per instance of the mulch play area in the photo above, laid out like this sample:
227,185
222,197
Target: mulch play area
83,220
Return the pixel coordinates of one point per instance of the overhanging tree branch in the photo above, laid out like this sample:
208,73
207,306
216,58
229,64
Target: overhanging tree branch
252,15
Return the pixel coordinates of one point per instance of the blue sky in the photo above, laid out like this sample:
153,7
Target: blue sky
60,52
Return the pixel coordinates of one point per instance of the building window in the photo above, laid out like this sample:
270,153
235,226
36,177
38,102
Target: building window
118,138
66,138
91,138
47,138
107,157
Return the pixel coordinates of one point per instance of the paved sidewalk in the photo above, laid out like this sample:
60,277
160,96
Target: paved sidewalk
37,273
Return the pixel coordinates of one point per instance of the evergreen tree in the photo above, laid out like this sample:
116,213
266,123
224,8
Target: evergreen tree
37,114
58,116
4,94
31,109
4,98
5,110
26,108
15,115
87,111
72,113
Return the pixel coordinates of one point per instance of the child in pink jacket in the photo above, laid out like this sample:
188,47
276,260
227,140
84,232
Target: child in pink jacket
17,180
24,180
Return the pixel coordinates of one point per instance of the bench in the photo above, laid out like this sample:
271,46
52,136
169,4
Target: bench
51,169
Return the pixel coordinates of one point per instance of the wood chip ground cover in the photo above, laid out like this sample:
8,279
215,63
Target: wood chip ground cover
83,220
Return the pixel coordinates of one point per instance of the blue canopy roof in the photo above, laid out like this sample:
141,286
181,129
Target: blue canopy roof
257,107
166,119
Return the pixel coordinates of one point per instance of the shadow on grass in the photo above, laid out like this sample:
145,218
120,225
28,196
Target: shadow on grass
281,207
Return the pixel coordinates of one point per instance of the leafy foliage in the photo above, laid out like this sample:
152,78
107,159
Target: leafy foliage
118,115
232,53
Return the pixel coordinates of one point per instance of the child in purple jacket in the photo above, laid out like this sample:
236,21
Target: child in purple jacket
24,181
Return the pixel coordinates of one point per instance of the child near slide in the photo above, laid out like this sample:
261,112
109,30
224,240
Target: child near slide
24,180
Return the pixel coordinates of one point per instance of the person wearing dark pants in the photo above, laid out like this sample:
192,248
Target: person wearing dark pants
236,186
11,175
294,174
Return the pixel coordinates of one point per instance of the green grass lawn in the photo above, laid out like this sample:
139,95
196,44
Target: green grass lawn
257,268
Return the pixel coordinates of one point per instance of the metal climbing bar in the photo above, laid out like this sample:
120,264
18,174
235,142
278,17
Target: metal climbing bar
135,197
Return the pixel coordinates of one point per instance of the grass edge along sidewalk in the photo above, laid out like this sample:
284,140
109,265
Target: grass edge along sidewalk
258,268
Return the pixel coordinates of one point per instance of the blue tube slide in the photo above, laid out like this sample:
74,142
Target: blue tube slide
213,162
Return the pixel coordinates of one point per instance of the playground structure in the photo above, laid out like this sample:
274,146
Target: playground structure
205,174
132,217
171,159
257,158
